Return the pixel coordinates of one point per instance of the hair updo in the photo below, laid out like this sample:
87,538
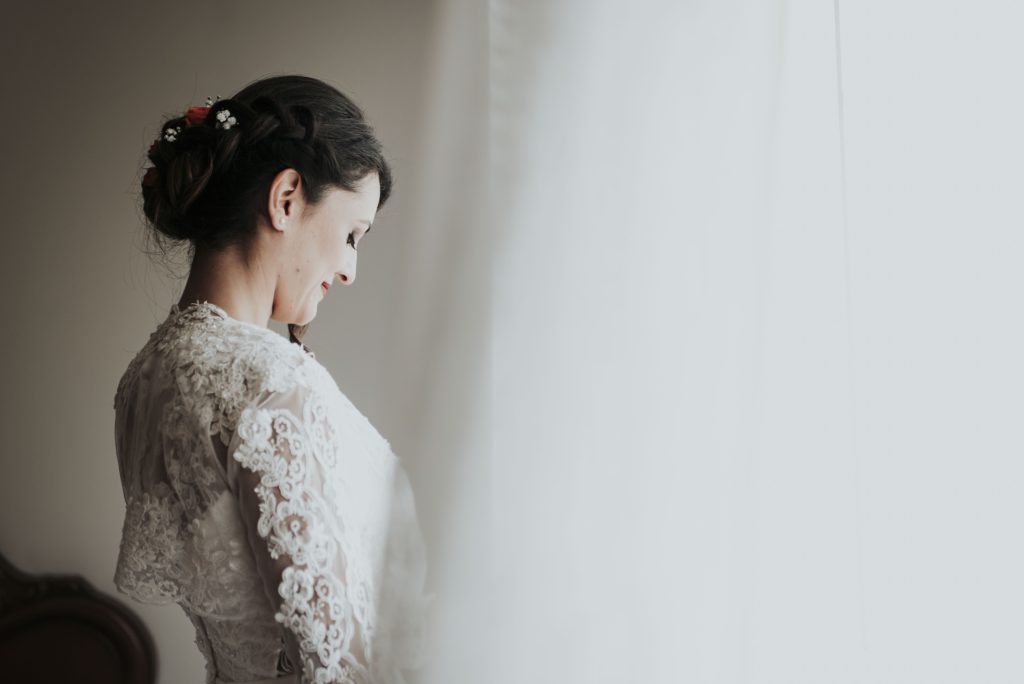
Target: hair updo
208,184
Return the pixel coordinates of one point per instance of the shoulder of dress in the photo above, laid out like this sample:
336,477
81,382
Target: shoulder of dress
236,353
204,354
128,380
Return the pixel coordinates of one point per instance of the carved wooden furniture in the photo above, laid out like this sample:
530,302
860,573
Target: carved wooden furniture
58,628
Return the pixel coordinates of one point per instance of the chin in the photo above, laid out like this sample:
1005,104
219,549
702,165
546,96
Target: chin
298,316
307,316
303,318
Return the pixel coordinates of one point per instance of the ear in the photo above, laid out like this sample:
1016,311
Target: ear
285,199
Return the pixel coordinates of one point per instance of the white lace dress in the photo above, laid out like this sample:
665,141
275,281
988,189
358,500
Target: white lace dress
261,501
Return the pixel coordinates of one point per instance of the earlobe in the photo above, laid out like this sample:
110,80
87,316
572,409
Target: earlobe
284,192
278,219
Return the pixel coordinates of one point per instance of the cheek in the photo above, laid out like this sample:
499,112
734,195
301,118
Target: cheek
302,277
324,248
338,246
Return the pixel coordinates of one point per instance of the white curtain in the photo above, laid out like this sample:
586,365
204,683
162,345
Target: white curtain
754,375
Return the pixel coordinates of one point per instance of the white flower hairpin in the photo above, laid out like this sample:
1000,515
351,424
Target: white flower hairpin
225,120
171,134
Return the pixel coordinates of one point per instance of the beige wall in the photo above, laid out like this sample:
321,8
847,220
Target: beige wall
85,87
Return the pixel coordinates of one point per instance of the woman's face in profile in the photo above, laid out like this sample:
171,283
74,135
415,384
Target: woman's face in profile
324,248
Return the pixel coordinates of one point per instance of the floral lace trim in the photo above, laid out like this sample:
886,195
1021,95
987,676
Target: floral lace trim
151,564
322,610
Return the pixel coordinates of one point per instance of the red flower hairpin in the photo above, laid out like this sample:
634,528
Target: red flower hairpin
197,115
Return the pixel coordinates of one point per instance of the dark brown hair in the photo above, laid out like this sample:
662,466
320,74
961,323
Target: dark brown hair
209,185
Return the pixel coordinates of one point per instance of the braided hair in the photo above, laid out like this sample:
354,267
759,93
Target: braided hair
208,184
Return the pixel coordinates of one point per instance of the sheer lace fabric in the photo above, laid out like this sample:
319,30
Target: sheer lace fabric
261,501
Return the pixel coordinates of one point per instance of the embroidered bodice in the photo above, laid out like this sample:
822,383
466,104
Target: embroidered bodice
260,500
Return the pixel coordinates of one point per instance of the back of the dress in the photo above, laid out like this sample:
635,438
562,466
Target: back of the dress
264,503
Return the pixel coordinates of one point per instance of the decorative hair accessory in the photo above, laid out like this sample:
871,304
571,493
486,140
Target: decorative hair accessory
193,116
197,115
225,120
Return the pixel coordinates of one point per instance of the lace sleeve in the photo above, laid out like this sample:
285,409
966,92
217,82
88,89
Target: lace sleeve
281,455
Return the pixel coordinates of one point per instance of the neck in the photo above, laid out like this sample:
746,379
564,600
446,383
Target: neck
238,285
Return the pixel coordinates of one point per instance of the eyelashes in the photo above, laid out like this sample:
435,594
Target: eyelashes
352,238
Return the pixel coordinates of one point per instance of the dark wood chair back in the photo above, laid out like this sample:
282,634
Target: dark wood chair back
58,628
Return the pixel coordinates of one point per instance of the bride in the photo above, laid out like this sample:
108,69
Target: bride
258,497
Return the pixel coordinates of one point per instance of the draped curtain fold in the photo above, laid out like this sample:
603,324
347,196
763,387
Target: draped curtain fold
709,418
675,484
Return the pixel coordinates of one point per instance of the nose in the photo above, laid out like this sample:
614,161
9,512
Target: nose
347,273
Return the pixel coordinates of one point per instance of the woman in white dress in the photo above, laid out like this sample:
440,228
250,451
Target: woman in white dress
258,498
